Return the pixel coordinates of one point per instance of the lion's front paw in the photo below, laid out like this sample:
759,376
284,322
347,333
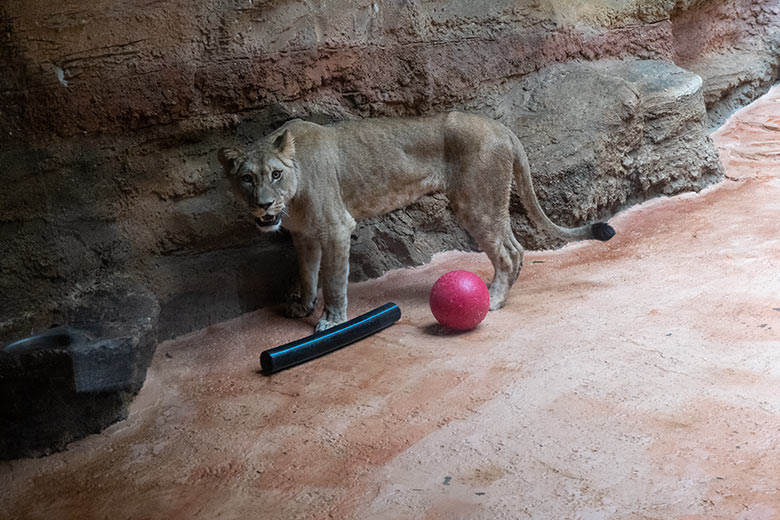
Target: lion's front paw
330,319
324,324
297,309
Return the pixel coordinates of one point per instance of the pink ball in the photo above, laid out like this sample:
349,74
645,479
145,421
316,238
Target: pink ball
459,300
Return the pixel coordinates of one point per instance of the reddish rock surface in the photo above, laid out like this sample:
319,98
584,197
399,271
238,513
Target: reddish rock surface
749,144
632,379
92,66
79,66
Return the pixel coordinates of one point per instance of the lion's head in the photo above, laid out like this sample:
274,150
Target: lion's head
265,177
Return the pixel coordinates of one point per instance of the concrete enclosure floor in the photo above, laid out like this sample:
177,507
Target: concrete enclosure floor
635,379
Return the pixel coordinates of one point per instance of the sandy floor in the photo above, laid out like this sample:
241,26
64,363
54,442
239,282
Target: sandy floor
635,379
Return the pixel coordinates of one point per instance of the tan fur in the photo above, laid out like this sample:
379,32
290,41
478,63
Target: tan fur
331,176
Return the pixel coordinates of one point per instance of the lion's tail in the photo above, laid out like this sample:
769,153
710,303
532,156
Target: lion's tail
522,170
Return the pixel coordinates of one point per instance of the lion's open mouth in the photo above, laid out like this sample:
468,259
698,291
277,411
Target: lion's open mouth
268,220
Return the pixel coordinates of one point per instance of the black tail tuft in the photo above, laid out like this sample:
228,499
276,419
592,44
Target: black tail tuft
602,231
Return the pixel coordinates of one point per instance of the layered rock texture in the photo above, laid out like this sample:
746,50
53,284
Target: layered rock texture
112,115
733,46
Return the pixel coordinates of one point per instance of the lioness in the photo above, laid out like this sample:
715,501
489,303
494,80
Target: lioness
319,179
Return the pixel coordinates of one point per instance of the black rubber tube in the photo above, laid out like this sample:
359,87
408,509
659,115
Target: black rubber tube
316,345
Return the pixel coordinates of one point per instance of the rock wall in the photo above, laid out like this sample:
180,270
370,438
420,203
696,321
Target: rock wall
112,115
734,46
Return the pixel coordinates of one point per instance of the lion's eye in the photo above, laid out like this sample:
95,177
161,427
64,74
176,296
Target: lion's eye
246,178
276,175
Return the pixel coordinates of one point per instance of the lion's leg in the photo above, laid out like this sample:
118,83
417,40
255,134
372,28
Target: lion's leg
503,255
309,255
335,273
490,227
507,259
516,252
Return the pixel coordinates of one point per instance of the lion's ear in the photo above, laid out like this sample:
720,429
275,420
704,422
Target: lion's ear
230,159
285,144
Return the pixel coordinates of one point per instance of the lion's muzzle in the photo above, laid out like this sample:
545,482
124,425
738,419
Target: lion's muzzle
267,221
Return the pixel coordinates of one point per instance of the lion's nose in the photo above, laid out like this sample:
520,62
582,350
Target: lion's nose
265,205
